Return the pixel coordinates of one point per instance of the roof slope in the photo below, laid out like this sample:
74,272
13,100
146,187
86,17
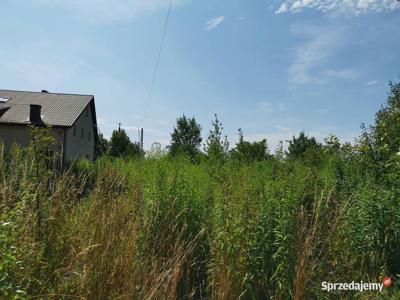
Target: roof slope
57,109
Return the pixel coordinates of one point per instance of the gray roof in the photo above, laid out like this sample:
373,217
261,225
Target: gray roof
57,109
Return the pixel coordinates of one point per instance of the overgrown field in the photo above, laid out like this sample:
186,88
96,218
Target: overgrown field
166,228
223,226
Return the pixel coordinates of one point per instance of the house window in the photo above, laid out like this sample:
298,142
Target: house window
89,135
74,130
82,133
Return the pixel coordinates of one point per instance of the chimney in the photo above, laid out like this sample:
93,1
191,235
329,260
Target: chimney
35,114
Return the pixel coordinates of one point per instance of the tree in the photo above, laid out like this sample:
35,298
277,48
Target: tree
121,145
379,145
156,151
332,144
302,145
386,131
186,138
216,147
250,152
332,141
102,146
42,146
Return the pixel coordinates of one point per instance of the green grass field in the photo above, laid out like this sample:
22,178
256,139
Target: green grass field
166,228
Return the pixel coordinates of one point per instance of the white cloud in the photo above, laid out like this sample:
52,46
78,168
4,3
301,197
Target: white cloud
214,23
108,10
352,6
372,82
283,8
311,55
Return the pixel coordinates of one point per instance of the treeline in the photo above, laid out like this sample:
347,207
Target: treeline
186,140
378,144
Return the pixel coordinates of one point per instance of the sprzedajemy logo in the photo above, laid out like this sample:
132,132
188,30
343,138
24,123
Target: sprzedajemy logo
356,286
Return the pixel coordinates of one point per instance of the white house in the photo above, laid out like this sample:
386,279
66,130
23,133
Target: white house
72,119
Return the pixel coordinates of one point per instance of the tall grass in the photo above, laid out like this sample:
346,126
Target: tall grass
169,229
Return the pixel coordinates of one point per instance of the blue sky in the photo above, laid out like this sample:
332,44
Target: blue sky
272,68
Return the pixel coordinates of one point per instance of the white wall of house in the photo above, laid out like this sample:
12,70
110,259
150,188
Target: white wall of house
80,137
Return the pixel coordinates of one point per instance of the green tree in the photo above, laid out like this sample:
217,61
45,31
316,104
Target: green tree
121,145
379,145
102,146
332,143
302,146
387,125
186,138
43,146
156,151
216,147
250,152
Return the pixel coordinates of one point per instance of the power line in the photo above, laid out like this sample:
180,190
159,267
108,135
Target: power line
149,96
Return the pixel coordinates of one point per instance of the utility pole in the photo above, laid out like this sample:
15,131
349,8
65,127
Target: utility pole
141,140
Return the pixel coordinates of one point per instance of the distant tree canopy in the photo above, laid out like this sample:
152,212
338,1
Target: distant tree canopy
302,146
332,143
216,146
250,152
186,137
102,146
379,145
121,145
386,131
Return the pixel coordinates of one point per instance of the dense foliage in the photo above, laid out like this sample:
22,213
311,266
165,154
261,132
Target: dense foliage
186,138
121,145
250,152
258,226
102,146
216,146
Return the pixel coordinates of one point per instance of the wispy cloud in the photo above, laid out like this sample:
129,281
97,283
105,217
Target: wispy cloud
372,82
108,10
214,23
349,73
270,107
321,44
283,8
351,6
